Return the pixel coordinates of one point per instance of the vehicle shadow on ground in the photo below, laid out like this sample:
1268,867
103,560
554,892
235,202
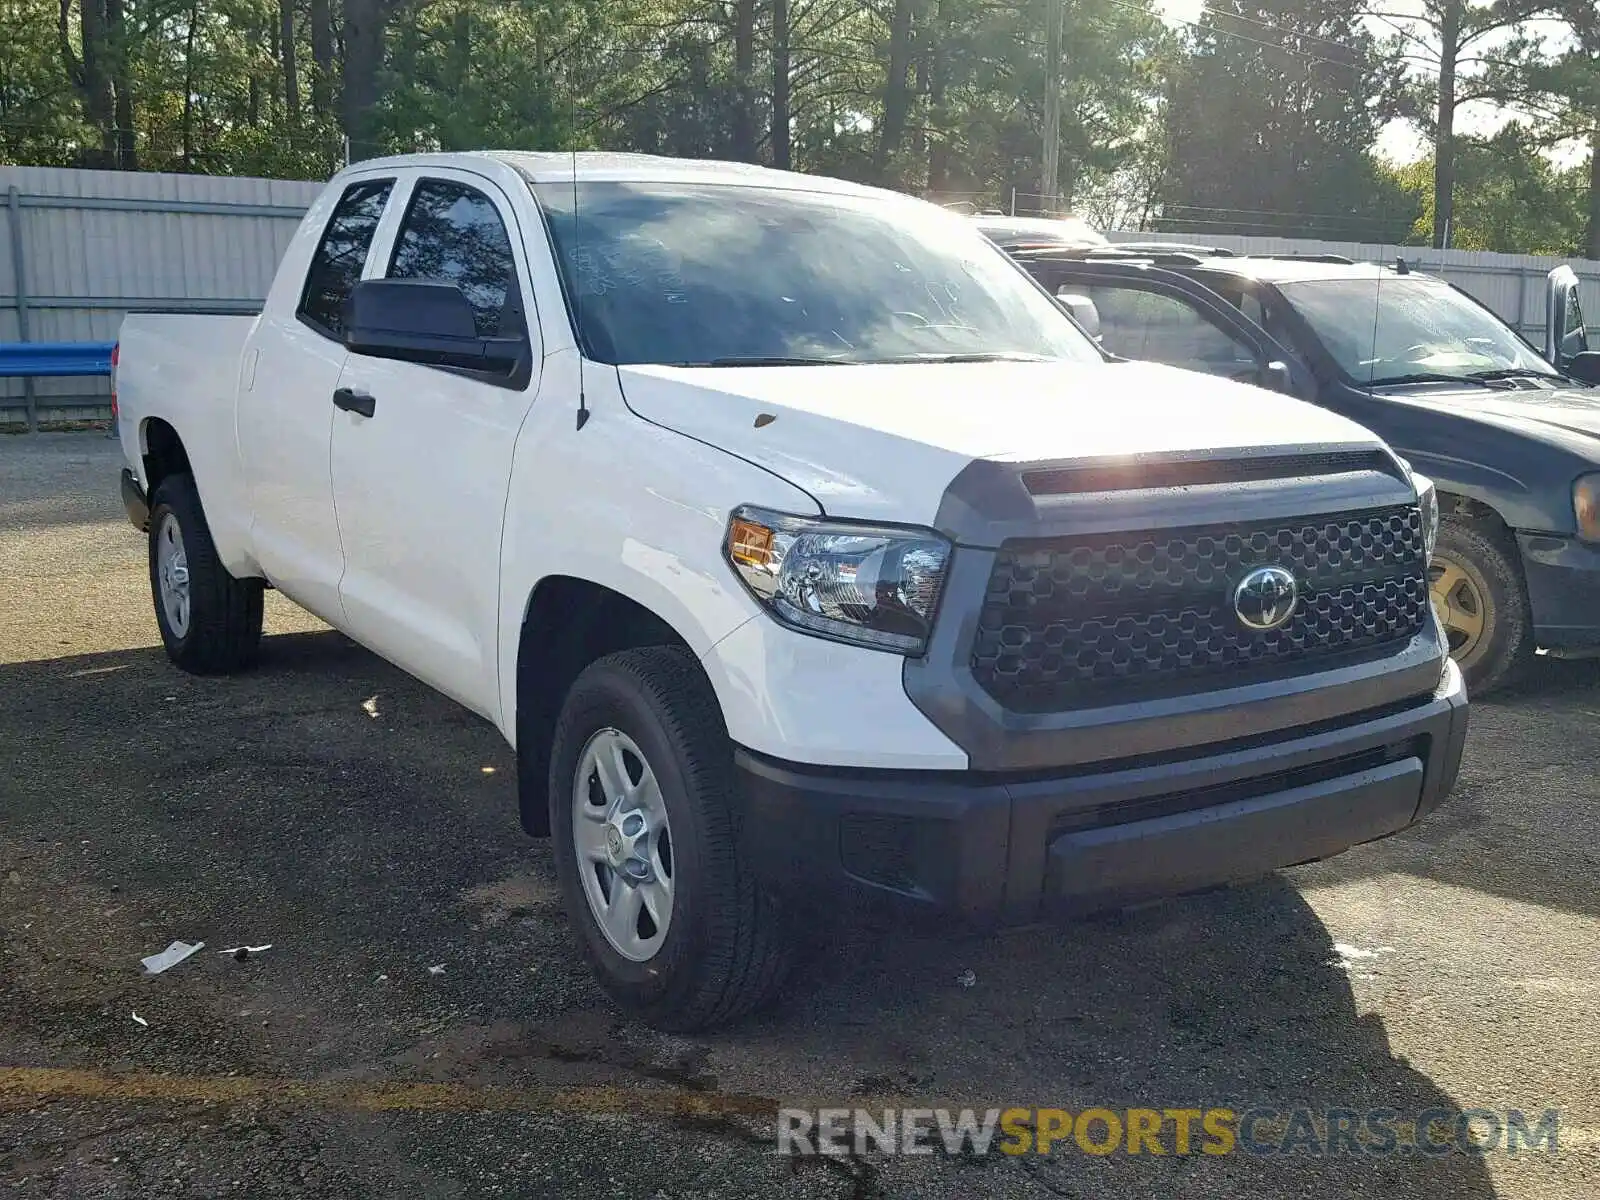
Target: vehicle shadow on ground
1231,999
1528,770
330,804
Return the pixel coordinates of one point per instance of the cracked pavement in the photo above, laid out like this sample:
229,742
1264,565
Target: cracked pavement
365,826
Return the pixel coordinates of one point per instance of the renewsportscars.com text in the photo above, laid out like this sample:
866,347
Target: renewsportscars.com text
1166,1131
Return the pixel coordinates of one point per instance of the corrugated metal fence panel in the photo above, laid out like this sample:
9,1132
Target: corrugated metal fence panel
111,239
1510,284
115,240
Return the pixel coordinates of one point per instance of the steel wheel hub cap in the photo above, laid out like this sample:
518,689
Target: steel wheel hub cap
1459,603
623,843
172,574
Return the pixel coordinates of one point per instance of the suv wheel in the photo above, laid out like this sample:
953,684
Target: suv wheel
644,821
1477,591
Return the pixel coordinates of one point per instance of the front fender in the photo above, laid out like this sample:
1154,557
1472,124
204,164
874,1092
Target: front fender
630,506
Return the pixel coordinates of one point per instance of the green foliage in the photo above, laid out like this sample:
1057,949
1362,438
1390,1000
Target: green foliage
1509,197
1271,121
1259,119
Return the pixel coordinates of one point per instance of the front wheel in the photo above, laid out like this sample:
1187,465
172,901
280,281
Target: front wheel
643,816
210,622
1476,587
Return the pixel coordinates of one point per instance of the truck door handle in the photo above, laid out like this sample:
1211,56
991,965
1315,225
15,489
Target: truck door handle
353,401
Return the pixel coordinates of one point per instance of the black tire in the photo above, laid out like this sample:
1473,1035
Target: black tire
223,632
725,951
1488,561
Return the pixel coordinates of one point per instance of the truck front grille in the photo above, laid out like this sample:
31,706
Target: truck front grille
1112,617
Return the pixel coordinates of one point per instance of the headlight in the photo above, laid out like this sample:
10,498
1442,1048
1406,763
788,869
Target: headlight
871,585
1586,507
1428,505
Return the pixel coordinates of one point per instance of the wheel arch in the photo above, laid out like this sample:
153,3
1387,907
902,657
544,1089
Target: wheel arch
162,451
567,623
1465,507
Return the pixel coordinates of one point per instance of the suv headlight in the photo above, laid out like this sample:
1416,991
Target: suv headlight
1586,507
1428,505
871,585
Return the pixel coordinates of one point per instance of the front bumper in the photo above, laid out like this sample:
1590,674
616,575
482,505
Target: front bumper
994,847
1563,577
135,501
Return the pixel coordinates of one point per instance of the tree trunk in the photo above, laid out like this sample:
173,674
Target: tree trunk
744,65
919,92
363,56
98,104
188,85
321,56
938,142
122,80
1591,244
291,72
460,47
896,87
780,84
1444,146
1050,165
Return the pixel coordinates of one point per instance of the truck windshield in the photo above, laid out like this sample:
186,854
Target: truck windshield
730,275
1395,329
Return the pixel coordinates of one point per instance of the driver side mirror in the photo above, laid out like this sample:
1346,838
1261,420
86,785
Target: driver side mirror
1275,377
422,321
1082,309
1565,337
1584,367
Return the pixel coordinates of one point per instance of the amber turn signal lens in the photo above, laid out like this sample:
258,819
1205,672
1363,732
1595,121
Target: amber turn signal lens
749,543
1586,507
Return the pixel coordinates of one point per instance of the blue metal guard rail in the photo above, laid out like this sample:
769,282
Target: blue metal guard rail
21,360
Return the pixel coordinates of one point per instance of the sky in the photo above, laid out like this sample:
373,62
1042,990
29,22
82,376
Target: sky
1399,142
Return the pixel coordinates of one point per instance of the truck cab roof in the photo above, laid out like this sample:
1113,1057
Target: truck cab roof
597,166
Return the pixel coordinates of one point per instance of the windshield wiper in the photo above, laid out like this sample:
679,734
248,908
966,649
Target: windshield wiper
983,357
1513,373
754,360
1425,377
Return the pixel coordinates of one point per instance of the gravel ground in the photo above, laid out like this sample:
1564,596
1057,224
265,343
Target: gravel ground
421,1027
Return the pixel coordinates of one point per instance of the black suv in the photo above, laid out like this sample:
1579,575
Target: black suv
1510,435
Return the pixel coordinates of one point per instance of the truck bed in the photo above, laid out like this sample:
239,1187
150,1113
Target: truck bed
184,370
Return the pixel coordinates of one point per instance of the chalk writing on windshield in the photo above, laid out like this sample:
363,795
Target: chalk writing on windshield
628,260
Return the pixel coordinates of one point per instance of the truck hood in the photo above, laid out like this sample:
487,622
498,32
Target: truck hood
1569,410
882,441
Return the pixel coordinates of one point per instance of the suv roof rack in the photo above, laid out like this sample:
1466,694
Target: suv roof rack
1175,248
1038,251
1182,256
1337,259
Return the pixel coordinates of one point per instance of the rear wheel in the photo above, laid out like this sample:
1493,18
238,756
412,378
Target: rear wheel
1477,590
643,817
210,622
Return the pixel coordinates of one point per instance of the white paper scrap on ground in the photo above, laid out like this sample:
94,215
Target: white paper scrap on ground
1345,954
141,1020
246,949
171,956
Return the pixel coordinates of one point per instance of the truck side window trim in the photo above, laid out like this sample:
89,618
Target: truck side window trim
380,189
510,305
512,313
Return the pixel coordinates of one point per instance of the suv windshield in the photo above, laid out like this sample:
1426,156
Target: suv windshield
705,274
1394,328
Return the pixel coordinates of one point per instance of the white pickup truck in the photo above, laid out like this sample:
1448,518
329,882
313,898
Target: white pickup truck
802,546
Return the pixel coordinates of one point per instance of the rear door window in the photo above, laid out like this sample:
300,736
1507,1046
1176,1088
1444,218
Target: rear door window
336,266
1160,328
